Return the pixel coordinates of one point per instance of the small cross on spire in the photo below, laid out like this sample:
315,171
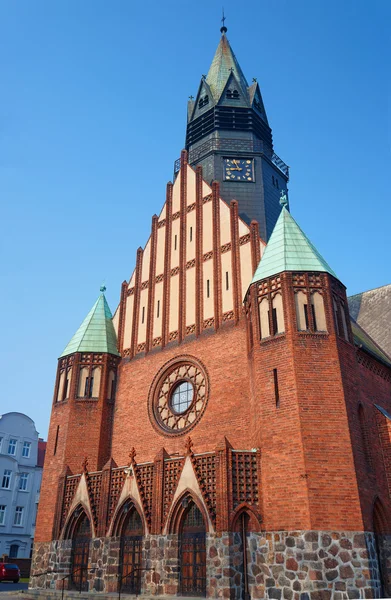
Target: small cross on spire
103,288
223,29
191,97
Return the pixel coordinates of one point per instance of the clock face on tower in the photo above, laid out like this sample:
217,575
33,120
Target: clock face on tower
238,169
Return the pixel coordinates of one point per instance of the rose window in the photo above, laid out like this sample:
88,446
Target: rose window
178,396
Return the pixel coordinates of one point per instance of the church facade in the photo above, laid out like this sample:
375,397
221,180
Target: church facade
227,433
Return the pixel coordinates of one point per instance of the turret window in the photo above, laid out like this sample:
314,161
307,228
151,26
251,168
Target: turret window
277,315
203,101
264,318
64,384
301,311
232,95
344,322
271,316
89,382
318,314
112,385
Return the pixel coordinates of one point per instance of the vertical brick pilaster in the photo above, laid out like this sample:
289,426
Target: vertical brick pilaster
62,480
255,249
167,266
217,293
104,498
199,309
182,249
122,316
222,494
157,499
235,254
255,313
151,284
136,302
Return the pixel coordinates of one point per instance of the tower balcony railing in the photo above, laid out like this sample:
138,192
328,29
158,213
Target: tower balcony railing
232,145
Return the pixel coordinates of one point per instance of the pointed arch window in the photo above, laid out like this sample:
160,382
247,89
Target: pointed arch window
302,311
112,385
278,315
318,313
64,384
344,321
89,382
264,318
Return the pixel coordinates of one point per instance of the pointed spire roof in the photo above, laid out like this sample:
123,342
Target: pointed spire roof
96,333
289,249
224,63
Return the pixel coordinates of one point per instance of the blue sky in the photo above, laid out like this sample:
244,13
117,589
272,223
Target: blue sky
93,115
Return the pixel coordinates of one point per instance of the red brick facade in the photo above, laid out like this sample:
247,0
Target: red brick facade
287,427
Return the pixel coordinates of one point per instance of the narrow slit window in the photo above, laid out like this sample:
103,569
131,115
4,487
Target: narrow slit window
175,241
305,307
158,309
314,317
191,234
65,392
274,319
276,391
56,440
87,387
207,288
226,280
143,315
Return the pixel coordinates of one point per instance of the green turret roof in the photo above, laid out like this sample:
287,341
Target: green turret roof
96,333
289,249
224,63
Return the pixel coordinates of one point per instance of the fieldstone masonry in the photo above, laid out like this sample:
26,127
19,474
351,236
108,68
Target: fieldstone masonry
297,565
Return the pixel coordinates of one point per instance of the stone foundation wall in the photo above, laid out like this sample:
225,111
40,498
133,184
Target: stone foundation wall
296,565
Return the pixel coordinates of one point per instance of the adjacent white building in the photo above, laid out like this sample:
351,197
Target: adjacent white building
22,455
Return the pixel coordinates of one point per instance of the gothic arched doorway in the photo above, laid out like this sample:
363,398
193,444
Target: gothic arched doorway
192,551
131,551
80,552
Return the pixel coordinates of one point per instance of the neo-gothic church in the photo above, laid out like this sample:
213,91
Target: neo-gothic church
227,433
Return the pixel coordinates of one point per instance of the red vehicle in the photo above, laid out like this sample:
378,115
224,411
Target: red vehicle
9,572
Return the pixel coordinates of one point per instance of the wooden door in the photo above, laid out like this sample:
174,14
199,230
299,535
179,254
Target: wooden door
193,553
80,554
131,553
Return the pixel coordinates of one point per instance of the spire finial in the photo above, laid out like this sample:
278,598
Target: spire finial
283,199
223,29
103,288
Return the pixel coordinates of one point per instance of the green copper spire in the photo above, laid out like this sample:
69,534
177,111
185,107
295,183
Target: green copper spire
96,333
223,65
289,249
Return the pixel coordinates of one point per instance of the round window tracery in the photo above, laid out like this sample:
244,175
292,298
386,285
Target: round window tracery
178,396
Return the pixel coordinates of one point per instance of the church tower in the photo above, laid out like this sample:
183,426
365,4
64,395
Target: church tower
228,134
